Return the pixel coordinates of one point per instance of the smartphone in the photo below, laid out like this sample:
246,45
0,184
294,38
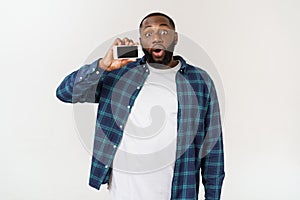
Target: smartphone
123,52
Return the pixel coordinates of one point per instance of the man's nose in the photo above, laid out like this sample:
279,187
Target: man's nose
157,38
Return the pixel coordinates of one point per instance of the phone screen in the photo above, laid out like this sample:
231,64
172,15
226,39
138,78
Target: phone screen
127,51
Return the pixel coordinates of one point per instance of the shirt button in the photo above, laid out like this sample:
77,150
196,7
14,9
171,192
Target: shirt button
147,70
121,126
93,69
106,166
138,87
115,146
128,107
80,77
97,72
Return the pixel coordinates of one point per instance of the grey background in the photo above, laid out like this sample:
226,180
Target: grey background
253,44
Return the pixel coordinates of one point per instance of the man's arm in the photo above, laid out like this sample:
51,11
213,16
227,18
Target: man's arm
81,85
84,85
212,163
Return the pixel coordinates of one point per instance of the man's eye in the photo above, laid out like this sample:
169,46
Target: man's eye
164,32
148,34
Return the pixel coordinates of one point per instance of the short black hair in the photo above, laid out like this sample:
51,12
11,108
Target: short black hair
158,14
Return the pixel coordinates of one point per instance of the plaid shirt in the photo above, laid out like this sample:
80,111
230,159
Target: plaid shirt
199,133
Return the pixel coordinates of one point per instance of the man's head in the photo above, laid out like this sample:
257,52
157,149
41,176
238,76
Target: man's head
158,39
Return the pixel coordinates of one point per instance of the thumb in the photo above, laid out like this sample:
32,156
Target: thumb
126,61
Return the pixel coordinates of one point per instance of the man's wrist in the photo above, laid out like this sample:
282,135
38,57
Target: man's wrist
101,65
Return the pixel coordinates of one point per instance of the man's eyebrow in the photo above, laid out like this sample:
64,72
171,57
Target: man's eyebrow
165,25
147,26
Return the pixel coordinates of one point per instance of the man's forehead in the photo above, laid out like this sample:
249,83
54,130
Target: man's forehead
156,21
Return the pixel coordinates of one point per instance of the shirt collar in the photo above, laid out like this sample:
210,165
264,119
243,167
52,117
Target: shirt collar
142,61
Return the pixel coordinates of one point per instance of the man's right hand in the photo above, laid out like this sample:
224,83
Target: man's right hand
108,62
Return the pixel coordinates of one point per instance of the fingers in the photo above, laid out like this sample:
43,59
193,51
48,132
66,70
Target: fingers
117,64
125,41
117,41
126,61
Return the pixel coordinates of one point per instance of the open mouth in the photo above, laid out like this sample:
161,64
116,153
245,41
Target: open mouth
157,52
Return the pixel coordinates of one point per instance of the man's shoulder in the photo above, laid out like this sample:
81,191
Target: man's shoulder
196,71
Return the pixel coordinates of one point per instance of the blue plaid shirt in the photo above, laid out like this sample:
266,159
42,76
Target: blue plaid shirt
199,133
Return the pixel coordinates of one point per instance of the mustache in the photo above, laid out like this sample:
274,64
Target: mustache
158,47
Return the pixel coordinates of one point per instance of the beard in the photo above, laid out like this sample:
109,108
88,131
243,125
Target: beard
165,61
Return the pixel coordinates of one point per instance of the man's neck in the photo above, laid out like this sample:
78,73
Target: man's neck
171,64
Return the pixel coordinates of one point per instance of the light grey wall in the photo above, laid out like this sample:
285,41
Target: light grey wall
253,44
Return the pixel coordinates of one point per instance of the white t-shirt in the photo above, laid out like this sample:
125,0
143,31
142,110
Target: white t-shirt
144,162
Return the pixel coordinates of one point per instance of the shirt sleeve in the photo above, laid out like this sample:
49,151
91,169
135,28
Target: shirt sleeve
212,153
82,85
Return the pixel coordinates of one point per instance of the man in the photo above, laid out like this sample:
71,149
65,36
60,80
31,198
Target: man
162,90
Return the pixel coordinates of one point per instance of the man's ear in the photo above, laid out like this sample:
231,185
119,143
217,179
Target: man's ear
176,37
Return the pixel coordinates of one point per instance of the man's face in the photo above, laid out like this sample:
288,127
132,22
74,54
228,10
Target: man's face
158,40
